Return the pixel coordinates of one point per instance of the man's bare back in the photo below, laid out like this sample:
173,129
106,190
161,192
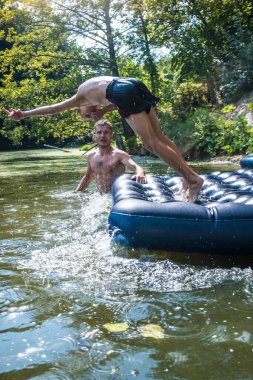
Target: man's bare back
93,92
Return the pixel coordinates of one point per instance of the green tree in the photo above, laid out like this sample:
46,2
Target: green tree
209,40
140,41
92,25
39,66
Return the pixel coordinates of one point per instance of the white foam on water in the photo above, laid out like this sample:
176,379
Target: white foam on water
80,249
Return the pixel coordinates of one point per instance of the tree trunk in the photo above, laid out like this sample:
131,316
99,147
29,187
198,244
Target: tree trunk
109,34
119,142
151,66
127,131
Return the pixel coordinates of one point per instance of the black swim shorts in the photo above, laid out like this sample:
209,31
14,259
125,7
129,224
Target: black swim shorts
130,96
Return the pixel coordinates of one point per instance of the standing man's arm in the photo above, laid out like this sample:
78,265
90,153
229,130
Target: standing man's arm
86,180
17,114
131,164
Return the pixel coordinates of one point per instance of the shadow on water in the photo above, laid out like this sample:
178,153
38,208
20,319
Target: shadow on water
39,161
193,258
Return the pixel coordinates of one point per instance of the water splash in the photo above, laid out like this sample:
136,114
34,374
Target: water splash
80,250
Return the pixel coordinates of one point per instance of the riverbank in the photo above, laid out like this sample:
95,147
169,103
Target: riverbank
235,159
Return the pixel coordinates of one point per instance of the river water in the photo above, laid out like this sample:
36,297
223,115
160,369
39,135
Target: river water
63,282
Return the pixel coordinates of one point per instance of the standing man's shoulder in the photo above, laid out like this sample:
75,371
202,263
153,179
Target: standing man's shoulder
116,150
120,153
91,155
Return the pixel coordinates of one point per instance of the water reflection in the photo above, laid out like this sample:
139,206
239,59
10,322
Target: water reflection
62,281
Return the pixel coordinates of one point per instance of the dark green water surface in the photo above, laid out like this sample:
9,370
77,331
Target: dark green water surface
62,281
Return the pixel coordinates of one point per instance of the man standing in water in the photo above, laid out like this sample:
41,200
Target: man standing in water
136,104
105,163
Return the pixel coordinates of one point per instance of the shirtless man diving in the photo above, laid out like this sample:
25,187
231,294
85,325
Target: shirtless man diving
136,104
106,162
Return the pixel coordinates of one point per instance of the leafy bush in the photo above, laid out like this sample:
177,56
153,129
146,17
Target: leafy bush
214,135
181,131
133,145
228,108
206,133
237,75
189,96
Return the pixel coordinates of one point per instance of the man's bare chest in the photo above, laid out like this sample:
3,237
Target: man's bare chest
105,166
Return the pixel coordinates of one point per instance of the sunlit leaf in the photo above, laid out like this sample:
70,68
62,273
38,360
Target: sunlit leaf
152,331
116,327
250,106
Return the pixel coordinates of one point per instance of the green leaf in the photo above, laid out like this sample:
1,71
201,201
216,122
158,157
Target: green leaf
152,331
250,106
228,108
116,327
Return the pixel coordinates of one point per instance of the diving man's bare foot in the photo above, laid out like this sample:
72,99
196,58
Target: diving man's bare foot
194,189
185,186
183,189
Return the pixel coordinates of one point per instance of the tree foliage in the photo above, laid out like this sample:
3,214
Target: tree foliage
39,67
192,53
209,40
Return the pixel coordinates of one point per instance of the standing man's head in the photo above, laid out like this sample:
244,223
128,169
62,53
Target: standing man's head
103,134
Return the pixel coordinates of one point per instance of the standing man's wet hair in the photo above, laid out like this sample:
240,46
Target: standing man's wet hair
102,122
